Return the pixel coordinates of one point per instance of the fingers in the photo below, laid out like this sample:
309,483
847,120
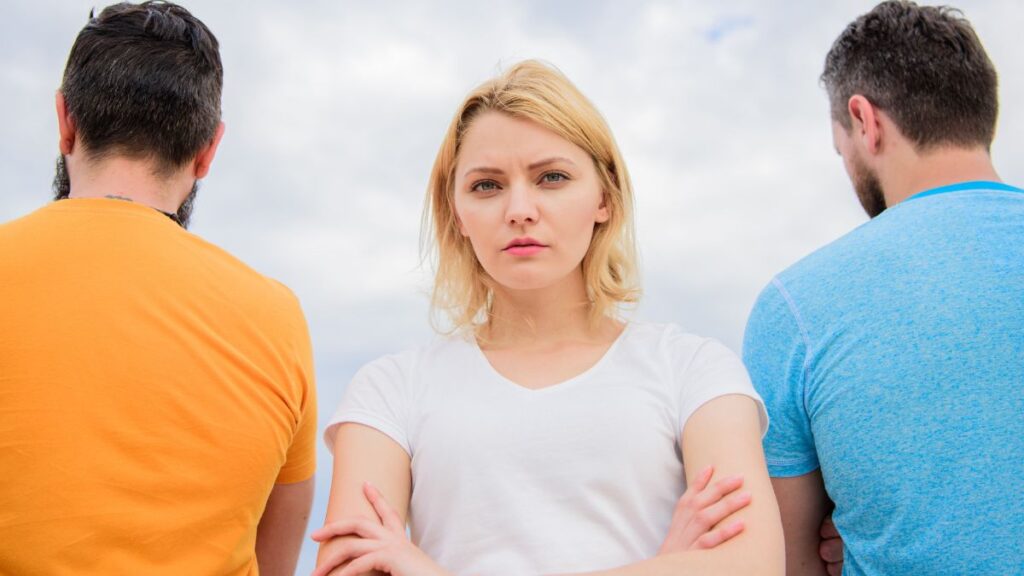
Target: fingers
693,504
716,491
702,479
361,565
708,517
831,550
702,507
386,513
831,547
834,569
700,482
698,497
719,535
828,528
344,551
353,526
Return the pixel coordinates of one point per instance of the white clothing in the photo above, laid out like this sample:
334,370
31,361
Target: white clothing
581,475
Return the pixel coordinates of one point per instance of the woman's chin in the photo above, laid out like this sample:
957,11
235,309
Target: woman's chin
525,282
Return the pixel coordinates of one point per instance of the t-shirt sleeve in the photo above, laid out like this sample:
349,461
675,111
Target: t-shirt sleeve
775,351
377,397
300,460
712,371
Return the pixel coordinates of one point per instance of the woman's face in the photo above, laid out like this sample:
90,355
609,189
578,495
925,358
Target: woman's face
526,199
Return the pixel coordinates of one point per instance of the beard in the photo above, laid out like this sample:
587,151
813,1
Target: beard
183,216
868,188
61,182
62,189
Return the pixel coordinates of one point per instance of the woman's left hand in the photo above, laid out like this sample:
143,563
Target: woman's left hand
384,548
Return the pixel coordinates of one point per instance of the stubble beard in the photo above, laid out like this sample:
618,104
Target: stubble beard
868,188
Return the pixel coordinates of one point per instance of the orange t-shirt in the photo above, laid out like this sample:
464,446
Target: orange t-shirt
152,391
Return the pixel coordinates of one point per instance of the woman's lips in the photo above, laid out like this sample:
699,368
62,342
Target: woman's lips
524,246
524,250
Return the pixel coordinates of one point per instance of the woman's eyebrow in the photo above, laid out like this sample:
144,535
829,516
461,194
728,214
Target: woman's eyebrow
533,166
484,169
552,160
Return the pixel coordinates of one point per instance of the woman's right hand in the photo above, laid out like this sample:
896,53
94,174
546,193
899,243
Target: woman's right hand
381,546
699,511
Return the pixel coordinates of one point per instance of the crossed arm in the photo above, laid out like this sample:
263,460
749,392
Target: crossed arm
724,433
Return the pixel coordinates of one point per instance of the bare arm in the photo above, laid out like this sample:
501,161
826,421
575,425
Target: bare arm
803,505
363,454
726,433
280,531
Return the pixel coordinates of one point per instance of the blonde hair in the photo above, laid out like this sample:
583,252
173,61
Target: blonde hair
538,92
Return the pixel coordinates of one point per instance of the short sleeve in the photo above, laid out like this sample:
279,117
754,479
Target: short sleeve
300,460
714,370
377,397
775,351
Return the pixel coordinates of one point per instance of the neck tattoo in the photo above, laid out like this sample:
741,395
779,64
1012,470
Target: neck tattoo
173,217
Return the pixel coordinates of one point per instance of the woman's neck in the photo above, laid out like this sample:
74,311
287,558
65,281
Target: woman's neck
545,316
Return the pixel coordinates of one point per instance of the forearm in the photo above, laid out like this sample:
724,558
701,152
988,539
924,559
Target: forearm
803,504
280,531
361,455
702,563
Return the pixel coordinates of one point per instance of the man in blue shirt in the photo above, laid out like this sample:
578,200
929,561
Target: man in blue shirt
892,360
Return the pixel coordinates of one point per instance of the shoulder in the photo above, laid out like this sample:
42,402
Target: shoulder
701,368
683,350
811,288
859,254
393,367
403,368
663,334
238,271
243,290
385,393
18,235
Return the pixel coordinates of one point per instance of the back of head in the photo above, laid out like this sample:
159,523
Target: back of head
923,66
534,91
144,81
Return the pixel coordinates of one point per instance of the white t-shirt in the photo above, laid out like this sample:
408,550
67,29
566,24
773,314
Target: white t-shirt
581,475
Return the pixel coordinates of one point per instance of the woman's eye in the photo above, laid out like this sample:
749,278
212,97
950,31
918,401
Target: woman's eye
484,186
553,178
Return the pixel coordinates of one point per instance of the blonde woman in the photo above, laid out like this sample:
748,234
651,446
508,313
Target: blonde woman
545,434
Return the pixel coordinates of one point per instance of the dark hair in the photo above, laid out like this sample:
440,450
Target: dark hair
144,81
924,66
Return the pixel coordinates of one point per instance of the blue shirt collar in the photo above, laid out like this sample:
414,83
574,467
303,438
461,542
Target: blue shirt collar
973,185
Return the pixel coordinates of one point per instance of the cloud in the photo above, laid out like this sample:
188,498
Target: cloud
726,26
335,111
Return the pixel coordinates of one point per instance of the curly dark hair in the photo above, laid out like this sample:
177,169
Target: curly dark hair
924,66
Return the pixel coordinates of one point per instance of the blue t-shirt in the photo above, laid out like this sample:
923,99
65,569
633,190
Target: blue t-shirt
893,359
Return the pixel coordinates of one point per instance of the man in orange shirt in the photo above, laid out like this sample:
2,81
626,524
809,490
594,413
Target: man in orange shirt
157,400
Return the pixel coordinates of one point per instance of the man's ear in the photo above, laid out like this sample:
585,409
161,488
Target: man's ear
201,165
865,121
65,126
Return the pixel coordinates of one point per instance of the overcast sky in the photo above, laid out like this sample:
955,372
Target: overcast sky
335,110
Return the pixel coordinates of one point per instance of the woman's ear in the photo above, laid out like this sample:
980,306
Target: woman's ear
603,212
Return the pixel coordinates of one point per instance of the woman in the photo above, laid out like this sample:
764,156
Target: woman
545,435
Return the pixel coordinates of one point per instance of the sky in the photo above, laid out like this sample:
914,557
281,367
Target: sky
335,110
